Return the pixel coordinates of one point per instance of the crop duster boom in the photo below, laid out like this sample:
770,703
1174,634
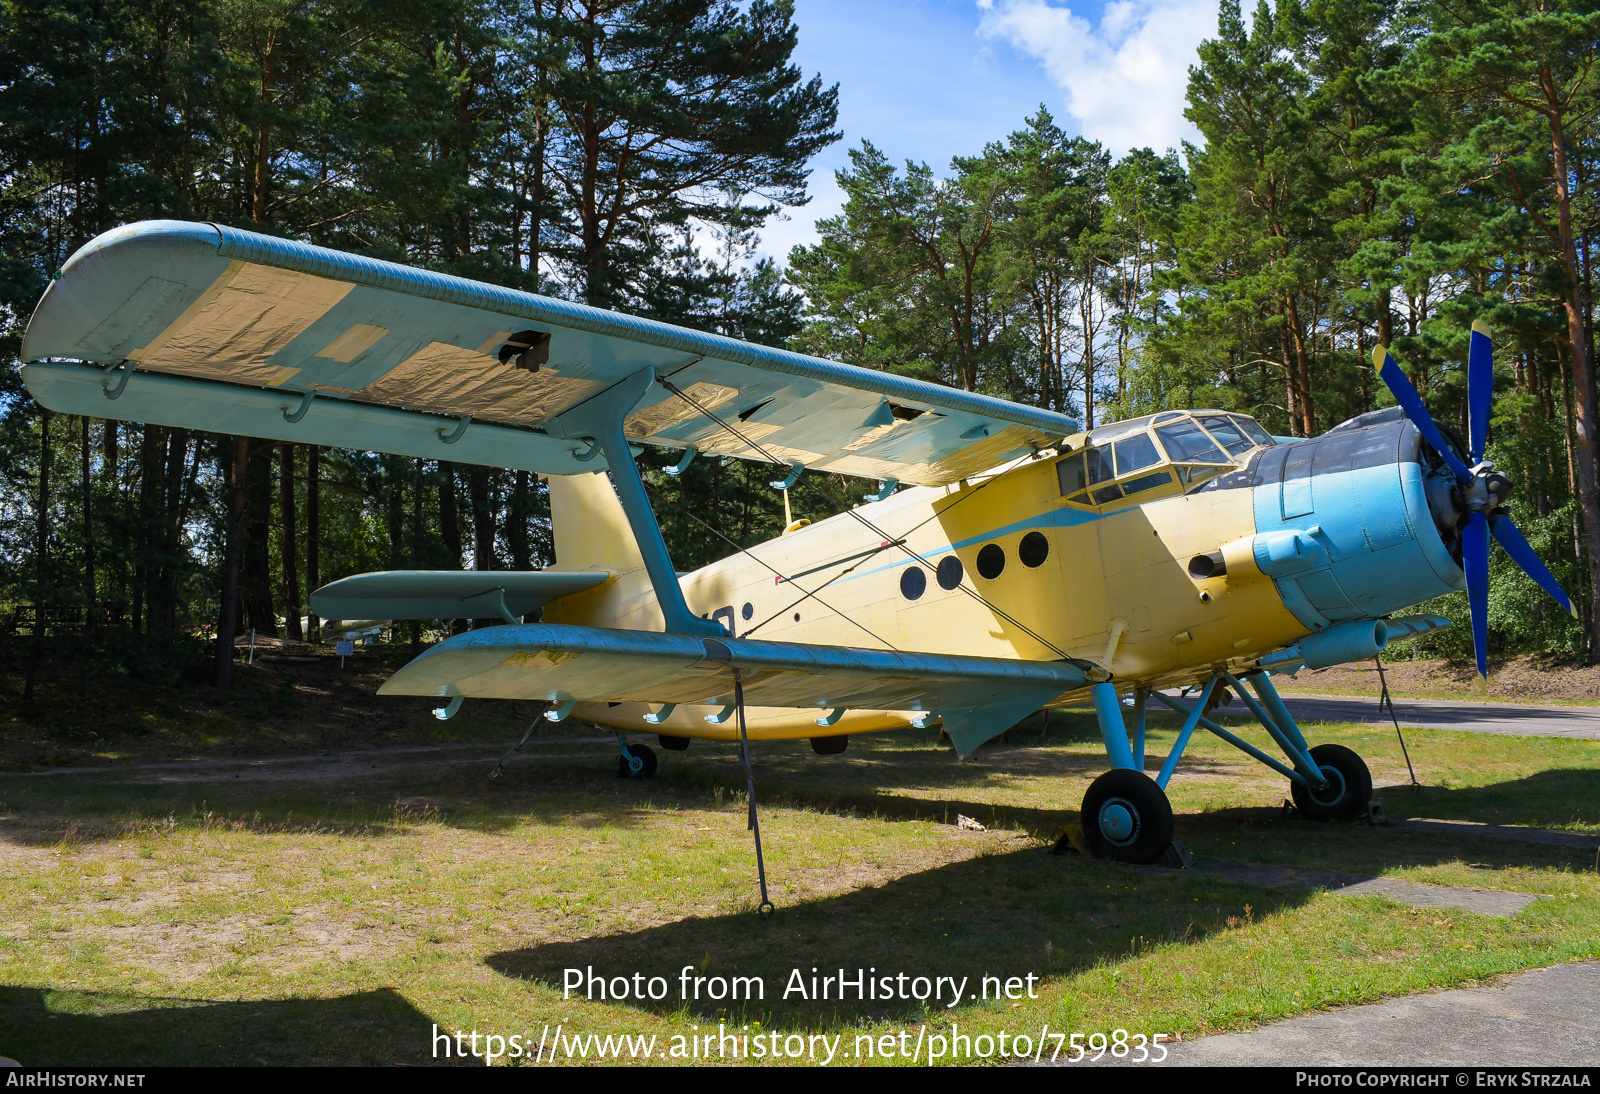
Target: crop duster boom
1021,563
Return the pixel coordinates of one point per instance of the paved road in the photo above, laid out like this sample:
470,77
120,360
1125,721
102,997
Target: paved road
1506,718
1544,1017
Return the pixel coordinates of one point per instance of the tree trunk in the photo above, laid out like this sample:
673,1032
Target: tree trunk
144,527
1583,380
288,544
255,576
233,538
313,531
483,526
450,527
517,525
90,598
41,557
1302,365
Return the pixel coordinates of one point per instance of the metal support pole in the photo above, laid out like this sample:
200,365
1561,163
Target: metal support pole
600,419
1290,739
1274,702
1139,698
1189,724
1238,742
764,909
1113,730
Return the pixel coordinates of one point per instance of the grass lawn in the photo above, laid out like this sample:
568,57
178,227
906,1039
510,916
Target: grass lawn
196,917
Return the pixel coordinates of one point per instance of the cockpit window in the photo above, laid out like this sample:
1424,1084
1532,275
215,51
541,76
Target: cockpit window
1070,473
1099,461
1254,431
1186,442
1148,482
1227,433
1135,453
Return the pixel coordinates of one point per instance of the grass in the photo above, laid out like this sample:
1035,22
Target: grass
338,920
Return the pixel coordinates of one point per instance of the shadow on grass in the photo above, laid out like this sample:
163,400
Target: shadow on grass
1002,915
56,1028
1559,796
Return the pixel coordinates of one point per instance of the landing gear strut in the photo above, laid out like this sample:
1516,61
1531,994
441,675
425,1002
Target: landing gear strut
1126,815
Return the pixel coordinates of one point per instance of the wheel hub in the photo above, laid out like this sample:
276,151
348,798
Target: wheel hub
1333,791
1119,821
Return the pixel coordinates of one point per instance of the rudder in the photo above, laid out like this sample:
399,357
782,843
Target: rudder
591,530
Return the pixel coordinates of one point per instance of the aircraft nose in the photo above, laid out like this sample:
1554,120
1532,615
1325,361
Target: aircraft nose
1355,503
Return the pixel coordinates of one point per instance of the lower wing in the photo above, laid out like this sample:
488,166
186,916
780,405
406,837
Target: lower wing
977,697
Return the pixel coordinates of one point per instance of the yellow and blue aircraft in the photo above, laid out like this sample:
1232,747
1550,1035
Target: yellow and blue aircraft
1008,560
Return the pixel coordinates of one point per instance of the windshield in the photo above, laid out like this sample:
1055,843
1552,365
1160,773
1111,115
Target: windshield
1225,429
1186,442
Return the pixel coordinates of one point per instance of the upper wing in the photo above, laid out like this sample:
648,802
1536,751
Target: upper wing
216,305
977,697
449,594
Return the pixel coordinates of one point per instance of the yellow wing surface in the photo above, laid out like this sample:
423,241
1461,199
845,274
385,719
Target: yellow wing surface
977,697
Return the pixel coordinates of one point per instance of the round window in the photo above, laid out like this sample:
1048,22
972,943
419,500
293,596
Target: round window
748,610
992,561
1033,549
913,582
950,572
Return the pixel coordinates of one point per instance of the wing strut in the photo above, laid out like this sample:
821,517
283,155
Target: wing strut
599,420
764,909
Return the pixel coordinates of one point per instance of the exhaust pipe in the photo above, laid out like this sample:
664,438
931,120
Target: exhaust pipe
1357,640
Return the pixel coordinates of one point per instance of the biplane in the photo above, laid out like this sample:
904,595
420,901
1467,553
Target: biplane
1004,559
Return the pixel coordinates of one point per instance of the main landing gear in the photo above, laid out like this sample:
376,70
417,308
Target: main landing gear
1126,815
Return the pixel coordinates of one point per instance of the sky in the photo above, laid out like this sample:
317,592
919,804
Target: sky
926,80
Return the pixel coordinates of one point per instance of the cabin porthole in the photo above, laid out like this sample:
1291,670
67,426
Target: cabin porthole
748,610
991,561
913,582
950,572
1033,550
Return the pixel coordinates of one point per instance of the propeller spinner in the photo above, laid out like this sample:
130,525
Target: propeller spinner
1480,490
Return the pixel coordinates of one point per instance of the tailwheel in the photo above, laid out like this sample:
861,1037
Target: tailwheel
1348,791
1126,817
647,763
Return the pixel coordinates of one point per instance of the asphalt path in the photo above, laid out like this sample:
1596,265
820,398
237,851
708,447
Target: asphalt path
1544,1017
1469,714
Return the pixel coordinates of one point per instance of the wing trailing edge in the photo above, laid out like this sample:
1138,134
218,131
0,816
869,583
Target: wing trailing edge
978,697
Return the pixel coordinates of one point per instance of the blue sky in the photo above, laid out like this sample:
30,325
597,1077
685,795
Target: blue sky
931,79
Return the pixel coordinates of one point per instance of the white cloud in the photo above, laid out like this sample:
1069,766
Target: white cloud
1124,79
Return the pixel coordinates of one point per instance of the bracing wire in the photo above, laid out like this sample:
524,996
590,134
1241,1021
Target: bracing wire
885,537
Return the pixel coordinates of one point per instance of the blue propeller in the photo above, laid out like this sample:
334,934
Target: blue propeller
1483,489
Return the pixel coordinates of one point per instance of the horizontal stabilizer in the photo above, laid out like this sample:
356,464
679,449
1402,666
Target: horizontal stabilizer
588,664
448,594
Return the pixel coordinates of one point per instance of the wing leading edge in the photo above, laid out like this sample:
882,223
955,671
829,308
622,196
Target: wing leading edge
213,305
977,697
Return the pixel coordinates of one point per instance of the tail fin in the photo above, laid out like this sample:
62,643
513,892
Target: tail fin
591,530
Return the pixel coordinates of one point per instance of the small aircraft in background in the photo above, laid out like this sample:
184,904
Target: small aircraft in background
1007,559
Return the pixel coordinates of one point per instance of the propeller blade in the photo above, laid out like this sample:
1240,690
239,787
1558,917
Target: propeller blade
1475,559
1411,403
1480,388
1510,537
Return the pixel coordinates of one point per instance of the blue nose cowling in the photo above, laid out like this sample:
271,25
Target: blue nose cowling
1357,493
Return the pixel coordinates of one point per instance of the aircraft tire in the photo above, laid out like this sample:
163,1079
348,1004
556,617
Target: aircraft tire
645,753
1349,794
1126,817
